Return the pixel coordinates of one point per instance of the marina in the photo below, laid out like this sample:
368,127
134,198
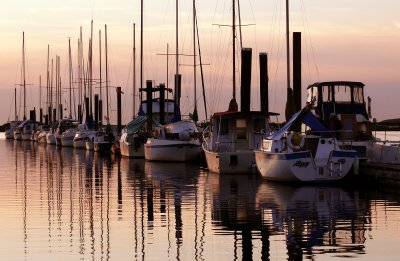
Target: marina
232,146
68,204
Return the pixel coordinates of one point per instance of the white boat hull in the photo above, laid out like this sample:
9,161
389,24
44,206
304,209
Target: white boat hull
235,162
130,149
300,166
171,150
67,141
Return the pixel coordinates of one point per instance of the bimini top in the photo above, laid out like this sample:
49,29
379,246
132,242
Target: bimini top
335,83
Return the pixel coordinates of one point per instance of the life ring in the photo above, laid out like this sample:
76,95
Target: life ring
295,141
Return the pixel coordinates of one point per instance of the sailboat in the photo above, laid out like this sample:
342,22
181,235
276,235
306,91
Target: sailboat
134,135
104,138
9,133
230,140
179,140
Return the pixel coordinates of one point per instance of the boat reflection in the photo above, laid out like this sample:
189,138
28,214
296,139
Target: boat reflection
304,220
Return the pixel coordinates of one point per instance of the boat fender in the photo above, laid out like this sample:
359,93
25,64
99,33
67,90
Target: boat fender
295,141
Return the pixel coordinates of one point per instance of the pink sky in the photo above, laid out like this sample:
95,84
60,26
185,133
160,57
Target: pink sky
341,41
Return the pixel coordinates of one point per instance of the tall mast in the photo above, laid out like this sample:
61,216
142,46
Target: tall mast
201,67
105,33
80,68
51,85
15,103
48,84
91,68
40,94
70,79
100,62
287,45
141,50
134,71
23,71
194,61
233,50
177,38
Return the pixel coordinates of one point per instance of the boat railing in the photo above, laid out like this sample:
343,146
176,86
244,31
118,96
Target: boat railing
206,133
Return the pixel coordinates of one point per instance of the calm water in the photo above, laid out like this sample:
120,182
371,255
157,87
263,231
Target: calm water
66,204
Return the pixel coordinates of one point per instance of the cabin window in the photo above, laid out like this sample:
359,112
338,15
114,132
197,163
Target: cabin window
358,95
312,92
224,127
326,94
342,94
241,129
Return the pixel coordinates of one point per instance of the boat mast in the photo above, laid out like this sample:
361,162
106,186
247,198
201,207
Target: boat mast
40,96
100,63
105,34
177,38
48,87
233,106
195,116
287,46
15,103
141,51
134,71
201,68
233,50
70,79
91,68
23,71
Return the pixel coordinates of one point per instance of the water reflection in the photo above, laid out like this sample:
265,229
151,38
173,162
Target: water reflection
71,204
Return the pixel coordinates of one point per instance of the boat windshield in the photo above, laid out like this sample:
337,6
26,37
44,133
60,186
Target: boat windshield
312,92
342,94
358,95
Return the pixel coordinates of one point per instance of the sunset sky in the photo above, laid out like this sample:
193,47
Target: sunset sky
355,40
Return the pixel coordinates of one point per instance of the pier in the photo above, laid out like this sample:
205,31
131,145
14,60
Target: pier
383,174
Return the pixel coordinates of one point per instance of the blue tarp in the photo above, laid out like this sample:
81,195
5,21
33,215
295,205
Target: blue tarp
136,124
308,118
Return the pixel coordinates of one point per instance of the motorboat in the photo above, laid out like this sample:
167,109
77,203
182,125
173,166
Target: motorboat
102,141
82,135
67,137
177,141
133,138
9,133
25,129
313,156
63,126
346,100
229,142
42,136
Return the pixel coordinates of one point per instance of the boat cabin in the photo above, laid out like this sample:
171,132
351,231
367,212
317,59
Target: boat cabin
236,131
346,100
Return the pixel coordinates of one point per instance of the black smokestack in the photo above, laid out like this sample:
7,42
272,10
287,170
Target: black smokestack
149,98
162,102
246,80
297,70
264,102
177,94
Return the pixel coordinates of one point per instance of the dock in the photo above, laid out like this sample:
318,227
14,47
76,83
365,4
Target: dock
382,173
